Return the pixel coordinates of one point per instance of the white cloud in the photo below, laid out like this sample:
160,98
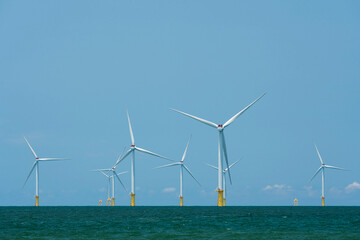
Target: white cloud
352,187
168,190
310,190
277,187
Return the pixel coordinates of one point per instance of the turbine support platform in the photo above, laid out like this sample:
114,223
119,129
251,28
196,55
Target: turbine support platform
181,201
322,201
132,202
36,201
224,202
108,202
220,197
113,202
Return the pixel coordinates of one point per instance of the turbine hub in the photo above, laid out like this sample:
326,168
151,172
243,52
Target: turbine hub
220,127
132,146
37,158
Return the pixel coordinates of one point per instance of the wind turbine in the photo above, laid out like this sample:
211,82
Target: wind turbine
224,179
132,150
322,169
111,178
36,167
182,166
221,145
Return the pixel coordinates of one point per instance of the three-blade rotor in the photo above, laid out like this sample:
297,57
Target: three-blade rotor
323,165
37,160
181,163
133,147
221,127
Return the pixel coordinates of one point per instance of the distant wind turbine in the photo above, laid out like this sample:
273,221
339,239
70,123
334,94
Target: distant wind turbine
36,167
221,145
111,178
182,166
132,150
322,169
224,180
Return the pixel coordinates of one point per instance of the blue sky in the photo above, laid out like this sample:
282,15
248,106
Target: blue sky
70,70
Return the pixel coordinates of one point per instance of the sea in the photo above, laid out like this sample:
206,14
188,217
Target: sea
180,222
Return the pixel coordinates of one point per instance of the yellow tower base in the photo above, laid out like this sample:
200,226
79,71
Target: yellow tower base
132,202
113,202
108,202
181,201
220,198
224,202
36,201
323,201
100,202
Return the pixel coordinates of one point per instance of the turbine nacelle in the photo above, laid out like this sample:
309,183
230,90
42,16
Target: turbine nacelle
220,127
132,146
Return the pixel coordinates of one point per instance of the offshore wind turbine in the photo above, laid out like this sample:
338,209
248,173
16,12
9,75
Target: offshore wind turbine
131,151
224,179
182,166
111,178
221,145
36,167
322,169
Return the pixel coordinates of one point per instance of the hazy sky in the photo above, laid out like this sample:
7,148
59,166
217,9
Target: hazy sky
69,70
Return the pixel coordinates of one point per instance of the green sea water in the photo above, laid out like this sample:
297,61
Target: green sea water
180,223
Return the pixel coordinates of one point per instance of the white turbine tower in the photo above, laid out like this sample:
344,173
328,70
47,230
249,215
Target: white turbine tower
111,178
224,179
322,169
221,144
36,167
132,150
182,166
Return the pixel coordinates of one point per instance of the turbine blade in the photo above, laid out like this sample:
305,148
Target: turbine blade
31,148
32,169
167,165
225,154
328,166
234,163
97,170
242,111
319,155
53,159
130,129
121,173
211,124
316,173
104,174
151,153
123,156
184,155
120,181
188,170
212,166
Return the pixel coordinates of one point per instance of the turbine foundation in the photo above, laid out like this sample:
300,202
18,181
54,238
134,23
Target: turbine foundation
113,202
224,202
36,201
323,201
108,202
220,197
132,202
181,201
